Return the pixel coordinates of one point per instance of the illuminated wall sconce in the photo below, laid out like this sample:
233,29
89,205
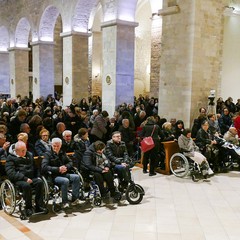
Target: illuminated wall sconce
169,10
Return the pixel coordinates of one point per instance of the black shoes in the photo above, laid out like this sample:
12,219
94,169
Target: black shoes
29,212
152,174
40,209
145,171
116,195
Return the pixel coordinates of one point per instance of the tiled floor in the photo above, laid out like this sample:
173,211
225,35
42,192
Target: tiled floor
172,209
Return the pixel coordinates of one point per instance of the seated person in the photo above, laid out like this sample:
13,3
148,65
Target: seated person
3,153
116,152
167,131
82,144
213,124
178,128
68,144
231,136
95,161
24,138
127,135
43,144
21,170
207,145
60,166
4,145
191,150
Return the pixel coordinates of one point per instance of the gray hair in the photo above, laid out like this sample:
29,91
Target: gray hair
56,140
66,132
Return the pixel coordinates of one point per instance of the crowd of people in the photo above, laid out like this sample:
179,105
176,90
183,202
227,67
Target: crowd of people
101,142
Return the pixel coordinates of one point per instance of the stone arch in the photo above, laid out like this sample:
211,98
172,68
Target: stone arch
4,39
82,13
47,23
22,33
126,10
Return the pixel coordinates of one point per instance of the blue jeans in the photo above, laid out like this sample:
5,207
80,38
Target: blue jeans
64,181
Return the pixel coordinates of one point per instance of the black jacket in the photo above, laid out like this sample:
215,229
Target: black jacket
52,161
117,153
21,168
203,138
148,129
90,160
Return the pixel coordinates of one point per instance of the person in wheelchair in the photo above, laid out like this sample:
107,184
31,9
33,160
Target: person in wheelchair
208,145
21,170
60,166
116,152
95,161
191,150
231,136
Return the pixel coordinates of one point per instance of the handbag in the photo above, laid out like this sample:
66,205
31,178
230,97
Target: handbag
147,143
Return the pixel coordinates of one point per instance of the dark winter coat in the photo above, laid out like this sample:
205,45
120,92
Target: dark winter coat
21,168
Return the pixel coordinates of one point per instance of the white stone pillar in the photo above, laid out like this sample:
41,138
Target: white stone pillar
19,73
4,73
118,64
75,66
43,69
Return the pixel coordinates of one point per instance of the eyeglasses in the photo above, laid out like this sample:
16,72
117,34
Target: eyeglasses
118,136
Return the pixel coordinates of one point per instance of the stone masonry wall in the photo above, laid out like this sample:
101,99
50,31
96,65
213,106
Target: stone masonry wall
191,58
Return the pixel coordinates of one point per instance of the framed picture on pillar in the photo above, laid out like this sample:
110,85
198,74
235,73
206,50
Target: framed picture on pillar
108,80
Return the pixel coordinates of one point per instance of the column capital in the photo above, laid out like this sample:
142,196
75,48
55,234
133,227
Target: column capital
71,33
42,43
18,48
117,22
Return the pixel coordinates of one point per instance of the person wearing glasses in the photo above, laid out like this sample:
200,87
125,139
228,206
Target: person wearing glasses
43,144
116,152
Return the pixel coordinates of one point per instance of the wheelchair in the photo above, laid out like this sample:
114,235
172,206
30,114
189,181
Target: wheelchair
133,192
89,191
11,198
182,166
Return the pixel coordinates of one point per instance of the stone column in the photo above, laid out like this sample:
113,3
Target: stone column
75,66
4,73
155,55
19,74
118,64
191,58
43,69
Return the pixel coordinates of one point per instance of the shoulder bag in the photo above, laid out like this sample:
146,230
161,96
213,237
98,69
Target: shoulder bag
147,143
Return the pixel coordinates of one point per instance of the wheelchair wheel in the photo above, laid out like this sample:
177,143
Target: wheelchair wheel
179,165
45,191
97,201
134,194
8,197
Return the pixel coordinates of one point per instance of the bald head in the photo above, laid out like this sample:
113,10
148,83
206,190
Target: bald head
233,130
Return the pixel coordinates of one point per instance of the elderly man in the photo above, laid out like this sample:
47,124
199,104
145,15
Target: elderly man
60,165
116,152
21,170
